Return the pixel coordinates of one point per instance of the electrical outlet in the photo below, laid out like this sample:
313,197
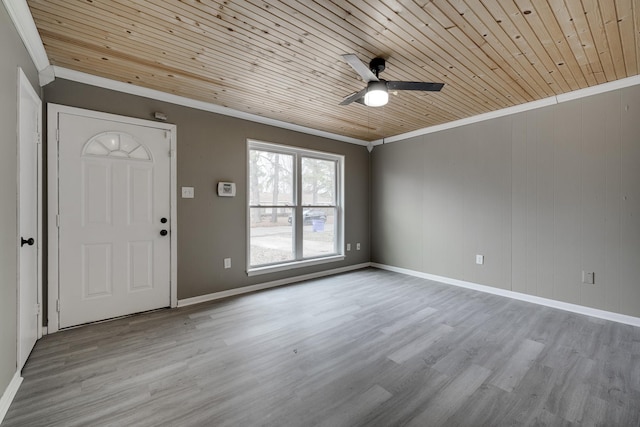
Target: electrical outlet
348,246
479,259
227,263
357,246
588,277
188,193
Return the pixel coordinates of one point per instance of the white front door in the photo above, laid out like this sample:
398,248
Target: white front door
114,218
29,118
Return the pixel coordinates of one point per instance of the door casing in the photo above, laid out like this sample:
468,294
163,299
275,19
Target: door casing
53,110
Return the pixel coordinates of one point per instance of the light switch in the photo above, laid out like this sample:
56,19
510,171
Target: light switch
479,259
188,193
227,263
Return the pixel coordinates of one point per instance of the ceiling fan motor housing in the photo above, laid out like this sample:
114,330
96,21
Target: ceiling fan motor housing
377,65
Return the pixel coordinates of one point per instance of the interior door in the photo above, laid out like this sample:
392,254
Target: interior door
114,219
29,123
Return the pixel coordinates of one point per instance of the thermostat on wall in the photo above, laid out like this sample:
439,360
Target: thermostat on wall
227,189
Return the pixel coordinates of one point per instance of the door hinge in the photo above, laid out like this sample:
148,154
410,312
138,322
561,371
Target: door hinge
58,221
172,153
58,135
58,305
38,310
38,138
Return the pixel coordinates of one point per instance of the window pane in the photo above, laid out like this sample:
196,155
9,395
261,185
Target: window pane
270,178
271,236
319,232
318,182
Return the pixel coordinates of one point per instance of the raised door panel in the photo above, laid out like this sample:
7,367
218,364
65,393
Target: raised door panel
97,267
97,196
140,266
140,207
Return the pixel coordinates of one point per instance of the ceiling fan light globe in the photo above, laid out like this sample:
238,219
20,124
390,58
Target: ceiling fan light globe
376,95
376,98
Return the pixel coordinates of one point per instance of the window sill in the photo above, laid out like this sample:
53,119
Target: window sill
294,264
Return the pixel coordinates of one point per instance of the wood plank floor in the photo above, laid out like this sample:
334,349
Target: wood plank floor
366,348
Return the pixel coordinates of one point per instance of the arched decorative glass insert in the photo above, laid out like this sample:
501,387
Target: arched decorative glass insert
116,144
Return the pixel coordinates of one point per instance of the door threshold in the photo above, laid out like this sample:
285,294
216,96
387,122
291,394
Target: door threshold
68,328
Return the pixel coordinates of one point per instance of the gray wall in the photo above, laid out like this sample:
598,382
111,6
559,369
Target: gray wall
542,195
13,55
212,148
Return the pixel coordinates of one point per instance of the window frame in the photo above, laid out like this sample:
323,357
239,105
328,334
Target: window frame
297,207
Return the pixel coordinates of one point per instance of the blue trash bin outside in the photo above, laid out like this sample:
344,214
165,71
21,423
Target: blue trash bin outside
317,225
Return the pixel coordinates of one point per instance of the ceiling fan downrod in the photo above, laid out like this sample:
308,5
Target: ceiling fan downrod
377,65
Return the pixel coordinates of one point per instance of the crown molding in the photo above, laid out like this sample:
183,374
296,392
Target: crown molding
553,100
89,79
23,21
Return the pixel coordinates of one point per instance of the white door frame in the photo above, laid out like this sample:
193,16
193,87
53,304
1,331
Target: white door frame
25,88
53,208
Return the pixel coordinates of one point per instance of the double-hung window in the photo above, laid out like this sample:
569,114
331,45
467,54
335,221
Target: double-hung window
295,213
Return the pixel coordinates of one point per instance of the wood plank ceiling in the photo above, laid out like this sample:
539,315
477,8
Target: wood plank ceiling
281,59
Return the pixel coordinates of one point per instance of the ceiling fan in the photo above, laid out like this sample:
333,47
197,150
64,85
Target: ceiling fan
376,94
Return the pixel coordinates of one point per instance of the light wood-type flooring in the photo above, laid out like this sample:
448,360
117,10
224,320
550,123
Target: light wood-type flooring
365,348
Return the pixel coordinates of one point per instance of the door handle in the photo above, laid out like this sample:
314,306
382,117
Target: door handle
163,232
28,241
163,220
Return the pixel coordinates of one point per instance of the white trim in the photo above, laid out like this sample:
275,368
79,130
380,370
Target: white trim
252,288
9,394
77,76
468,120
174,215
574,308
23,21
553,100
294,264
53,208
41,205
52,219
598,89
46,75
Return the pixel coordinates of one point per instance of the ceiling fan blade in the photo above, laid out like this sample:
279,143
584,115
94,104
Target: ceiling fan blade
360,67
425,86
354,97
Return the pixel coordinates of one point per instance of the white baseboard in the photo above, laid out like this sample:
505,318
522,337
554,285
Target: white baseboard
9,394
252,288
574,308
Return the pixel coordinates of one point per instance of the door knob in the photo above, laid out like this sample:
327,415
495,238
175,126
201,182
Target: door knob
28,241
163,232
163,220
